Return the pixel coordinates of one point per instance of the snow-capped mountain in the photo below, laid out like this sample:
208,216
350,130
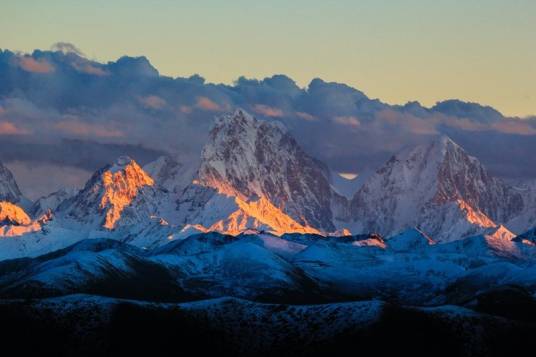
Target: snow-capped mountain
14,220
438,188
254,177
116,195
119,201
9,190
253,174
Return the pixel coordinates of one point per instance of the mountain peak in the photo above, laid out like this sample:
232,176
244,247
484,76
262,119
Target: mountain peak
437,186
263,168
108,192
121,163
9,190
445,141
239,118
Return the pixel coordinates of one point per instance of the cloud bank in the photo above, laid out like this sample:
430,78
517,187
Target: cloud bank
61,109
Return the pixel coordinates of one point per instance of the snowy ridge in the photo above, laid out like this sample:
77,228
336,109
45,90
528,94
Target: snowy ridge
408,267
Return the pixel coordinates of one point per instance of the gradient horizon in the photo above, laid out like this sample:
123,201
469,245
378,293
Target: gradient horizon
479,51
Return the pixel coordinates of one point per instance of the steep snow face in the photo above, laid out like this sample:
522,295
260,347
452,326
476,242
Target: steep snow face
108,195
170,174
527,218
9,191
273,184
203,209
436,187
51,202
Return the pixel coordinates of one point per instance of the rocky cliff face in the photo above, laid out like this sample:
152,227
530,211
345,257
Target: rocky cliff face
253,174
9,191
438,188
249,159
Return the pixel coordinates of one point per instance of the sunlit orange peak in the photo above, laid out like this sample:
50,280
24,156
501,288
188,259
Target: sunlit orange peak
121,184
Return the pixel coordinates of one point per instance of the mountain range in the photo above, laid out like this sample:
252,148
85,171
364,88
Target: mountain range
253,176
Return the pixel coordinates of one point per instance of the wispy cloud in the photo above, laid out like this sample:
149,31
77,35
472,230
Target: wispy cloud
267,111
351,121
8,128
515,126
79,128
153,102
29,64
305,116
89,68
185,109
205,103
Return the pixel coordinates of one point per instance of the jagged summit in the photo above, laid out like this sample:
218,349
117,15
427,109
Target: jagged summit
259,161
121,163
107,193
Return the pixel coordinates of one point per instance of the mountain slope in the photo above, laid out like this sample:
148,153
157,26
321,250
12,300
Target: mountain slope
438,188
170,174
98,266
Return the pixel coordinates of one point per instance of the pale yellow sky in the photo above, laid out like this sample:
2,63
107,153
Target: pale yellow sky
480,50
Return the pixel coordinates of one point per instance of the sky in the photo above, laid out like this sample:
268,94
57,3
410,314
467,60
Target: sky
475,50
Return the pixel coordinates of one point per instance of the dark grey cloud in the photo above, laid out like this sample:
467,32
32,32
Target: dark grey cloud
61,108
